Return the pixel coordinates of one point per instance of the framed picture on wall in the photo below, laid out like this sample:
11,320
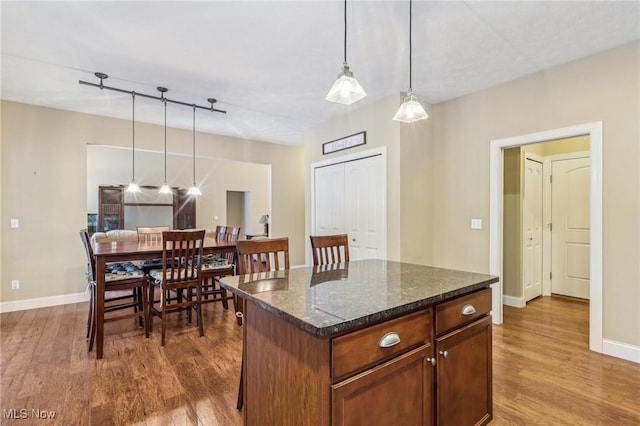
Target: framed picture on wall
344,143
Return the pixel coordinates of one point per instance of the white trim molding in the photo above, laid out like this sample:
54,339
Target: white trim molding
621,350
594,131
43,302
515,302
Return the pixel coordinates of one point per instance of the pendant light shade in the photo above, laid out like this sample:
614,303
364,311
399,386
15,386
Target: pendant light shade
165,188
411,110
194,190
133,186
346,89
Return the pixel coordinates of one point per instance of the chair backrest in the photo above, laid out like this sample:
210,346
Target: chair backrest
181,256
220,231
233,231
328,249
88,248
151,234
262,255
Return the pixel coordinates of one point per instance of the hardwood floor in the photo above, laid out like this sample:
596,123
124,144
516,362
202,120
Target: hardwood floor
543,372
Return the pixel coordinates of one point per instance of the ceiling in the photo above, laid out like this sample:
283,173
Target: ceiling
270,64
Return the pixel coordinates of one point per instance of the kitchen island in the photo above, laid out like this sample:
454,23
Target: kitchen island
368,342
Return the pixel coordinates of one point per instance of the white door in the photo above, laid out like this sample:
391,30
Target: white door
329,199
365,193
532,218
350,197
570,216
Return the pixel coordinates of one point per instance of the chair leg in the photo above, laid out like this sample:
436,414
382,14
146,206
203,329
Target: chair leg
90,312
145,310
150,304
199,310
92,331
163,315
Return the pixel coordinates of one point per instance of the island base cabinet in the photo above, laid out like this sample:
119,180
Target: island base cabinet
398,392
464,377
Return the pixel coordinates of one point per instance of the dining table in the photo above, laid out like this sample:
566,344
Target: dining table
124,251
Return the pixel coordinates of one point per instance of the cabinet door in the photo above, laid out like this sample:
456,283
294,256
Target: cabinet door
184,210
464,387
110,210
398,392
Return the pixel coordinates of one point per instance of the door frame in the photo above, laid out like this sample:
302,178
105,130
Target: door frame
594,131
381,151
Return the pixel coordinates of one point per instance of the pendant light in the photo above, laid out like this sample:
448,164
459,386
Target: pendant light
133,186
346,90
194,190
165,188
411,110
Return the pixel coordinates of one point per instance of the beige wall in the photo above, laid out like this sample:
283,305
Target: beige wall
44,184
601,87
382,131
452,167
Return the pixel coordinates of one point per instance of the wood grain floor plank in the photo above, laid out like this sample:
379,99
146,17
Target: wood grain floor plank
544,373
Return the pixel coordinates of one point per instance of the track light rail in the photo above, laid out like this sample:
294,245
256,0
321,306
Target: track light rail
101,86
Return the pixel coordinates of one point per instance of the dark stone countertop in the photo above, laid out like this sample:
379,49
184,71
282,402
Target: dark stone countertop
334,299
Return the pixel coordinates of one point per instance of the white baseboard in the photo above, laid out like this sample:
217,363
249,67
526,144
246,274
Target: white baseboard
621,350
43,302
516,302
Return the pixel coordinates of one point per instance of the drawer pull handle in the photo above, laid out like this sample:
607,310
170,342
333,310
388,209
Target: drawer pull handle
468,310
389,340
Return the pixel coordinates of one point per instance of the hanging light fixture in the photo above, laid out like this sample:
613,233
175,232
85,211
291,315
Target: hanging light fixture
346,90
133,186
194,190
165,188
411,110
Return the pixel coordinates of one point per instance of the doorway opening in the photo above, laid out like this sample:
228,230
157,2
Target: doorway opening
496,250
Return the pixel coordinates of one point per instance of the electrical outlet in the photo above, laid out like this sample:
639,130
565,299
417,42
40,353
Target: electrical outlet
15,284
15,223
476,223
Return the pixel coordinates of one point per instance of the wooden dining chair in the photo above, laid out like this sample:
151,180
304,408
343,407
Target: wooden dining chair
119,278
181,273
256,256
329,249
216,266
151,234
220,230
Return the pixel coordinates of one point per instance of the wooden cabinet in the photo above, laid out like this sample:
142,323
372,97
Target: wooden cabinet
427,367
463,361
184,210
110,208
398,391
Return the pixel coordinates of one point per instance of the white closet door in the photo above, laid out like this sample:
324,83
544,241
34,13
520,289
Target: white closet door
350,197
365,208
329,200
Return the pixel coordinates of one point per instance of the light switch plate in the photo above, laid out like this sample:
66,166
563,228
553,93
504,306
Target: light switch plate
15,223
476,223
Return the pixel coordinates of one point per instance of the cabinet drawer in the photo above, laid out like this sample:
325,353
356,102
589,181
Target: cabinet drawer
462,310
361,349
